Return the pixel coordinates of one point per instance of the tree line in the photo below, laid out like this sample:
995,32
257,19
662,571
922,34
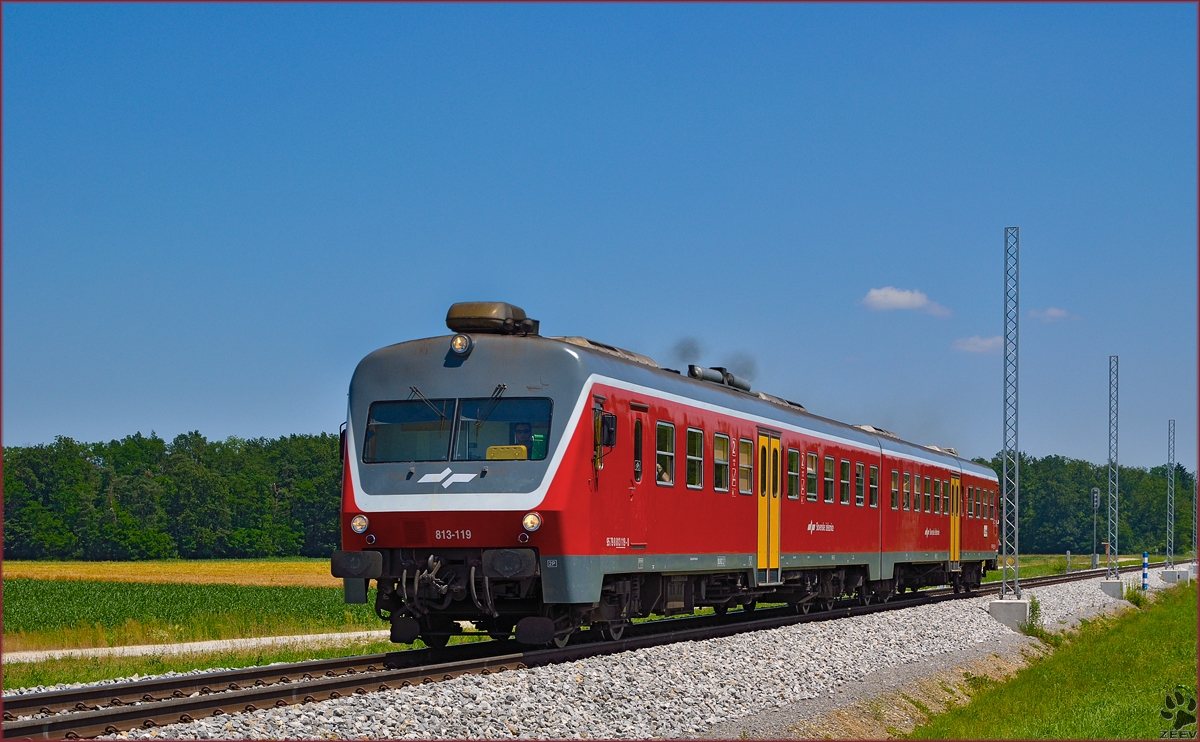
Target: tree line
144,498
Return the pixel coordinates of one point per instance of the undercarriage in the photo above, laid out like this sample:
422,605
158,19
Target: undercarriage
425,593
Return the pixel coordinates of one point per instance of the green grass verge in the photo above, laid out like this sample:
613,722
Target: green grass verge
1040,565
1107,681
44,614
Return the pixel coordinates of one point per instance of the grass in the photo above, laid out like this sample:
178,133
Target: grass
290,572
49,614
90,669
1107,680
1040,565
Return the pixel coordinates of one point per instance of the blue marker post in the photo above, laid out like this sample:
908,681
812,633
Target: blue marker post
1145,571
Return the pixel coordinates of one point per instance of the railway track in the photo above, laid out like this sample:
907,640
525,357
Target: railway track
96,710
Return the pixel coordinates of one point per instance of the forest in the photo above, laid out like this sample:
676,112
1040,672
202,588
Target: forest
145,498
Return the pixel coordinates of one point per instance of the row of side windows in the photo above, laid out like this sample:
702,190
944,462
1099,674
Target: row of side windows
801,482
935,497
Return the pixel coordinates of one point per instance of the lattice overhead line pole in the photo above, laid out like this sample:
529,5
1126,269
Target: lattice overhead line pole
1170,495
1113,481
1011,478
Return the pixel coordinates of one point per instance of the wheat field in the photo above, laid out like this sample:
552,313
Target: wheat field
262,572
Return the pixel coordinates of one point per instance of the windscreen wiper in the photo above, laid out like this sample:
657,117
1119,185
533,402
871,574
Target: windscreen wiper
440,413
494,400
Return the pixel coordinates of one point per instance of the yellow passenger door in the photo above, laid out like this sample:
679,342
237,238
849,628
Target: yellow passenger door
769,507
955,522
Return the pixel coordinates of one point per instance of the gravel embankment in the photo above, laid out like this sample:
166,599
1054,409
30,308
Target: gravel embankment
680,690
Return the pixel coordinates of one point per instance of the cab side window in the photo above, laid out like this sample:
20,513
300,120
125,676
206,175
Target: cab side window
637,450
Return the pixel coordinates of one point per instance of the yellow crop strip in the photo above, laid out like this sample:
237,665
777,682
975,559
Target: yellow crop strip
265,572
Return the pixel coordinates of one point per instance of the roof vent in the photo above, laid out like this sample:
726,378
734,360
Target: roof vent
495,317
613,350
944,449
878,431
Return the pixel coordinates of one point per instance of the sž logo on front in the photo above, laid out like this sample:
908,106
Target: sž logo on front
448,475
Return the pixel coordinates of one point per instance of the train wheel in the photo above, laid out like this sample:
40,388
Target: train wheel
614,631
804,607
721,610
435,641
864,598
561,641
749,607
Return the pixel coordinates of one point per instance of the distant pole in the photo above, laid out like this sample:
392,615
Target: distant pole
1145,571
1095,510
1010,497
1170,495
1114,552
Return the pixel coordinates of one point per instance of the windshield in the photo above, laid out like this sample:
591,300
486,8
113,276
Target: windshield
502,429
480,429
413,430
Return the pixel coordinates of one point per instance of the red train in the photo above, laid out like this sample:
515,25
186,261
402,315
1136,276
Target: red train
536,485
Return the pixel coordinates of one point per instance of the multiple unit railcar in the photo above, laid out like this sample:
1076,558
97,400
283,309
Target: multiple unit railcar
540,484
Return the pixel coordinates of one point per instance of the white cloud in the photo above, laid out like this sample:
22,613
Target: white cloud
1049,315
890,297
976,344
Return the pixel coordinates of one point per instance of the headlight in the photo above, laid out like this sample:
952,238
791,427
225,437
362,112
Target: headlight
359,523
532,522
461,344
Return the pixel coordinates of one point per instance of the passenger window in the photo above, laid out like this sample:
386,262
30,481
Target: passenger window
992,497
830,465
793,474
977,514
895,490
874,487
928,495
721,462
695,458
811,493
859,484
907,476
916,493
746,467
664,469
845,489
762,471
637,450
937,496
970,496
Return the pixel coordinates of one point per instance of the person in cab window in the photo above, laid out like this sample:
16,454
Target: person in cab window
663,475
523,436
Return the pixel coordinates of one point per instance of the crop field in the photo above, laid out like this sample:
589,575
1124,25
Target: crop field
295,572
60,614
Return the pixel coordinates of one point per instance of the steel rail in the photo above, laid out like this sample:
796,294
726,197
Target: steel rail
405,668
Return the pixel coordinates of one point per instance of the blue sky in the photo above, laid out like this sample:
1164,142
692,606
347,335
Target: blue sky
212,212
